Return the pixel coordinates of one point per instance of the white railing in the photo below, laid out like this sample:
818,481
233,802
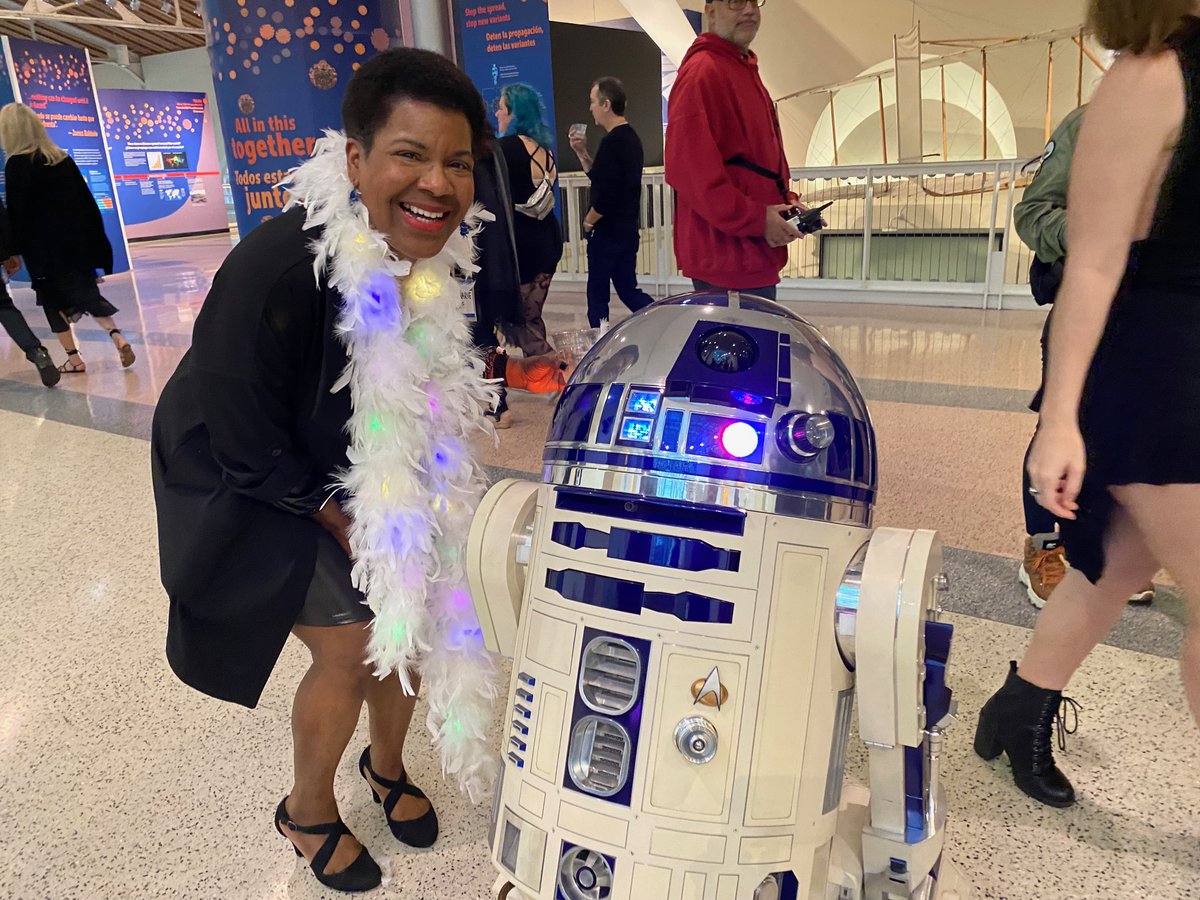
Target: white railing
938,234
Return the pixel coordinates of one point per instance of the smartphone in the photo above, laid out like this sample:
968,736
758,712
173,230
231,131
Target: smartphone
809,221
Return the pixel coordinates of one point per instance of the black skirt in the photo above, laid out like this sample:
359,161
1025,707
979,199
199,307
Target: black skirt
332,598
74,294
1140,410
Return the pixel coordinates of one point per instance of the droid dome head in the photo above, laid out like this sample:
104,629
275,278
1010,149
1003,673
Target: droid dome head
723,399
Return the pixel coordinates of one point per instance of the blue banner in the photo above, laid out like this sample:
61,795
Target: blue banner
164,162
56,83
280,72
505,42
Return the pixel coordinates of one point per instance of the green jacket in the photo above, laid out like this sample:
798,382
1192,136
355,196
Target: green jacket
1041,216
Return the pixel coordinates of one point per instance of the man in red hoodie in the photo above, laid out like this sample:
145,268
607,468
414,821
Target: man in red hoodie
724,159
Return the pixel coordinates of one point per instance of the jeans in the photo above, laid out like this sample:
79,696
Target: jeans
614,259
767,293
16,326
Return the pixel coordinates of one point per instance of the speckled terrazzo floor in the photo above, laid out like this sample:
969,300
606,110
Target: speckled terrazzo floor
117,782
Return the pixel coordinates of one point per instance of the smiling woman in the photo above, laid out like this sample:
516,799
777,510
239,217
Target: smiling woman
319,426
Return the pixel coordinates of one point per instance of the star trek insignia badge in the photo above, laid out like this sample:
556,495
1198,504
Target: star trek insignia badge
709,691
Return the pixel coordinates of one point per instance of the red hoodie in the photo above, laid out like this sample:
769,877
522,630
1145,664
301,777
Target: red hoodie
720,109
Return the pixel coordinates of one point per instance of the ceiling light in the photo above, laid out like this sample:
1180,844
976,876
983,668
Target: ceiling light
135,5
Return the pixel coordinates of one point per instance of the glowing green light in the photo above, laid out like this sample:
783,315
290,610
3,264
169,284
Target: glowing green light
376,423
400,632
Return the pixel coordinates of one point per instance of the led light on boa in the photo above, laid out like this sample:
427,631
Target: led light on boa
417,391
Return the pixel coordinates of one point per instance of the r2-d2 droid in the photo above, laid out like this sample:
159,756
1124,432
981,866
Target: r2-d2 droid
692,600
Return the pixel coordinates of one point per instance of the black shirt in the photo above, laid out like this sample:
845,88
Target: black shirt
617,182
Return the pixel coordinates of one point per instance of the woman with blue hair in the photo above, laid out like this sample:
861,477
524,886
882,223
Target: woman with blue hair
525,139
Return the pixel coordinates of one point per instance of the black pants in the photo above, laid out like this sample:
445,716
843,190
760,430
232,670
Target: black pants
1037,519
767,293
614,259
16,326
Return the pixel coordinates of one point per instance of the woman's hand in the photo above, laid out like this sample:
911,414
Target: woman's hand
333,519
1057,462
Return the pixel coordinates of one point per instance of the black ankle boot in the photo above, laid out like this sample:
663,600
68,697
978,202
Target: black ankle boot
1018,720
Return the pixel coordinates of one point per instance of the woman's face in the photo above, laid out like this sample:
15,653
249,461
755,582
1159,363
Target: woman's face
503,116
416,181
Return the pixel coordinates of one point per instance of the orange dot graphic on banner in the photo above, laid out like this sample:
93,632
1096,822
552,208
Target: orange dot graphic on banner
226,26
233,39
306,21
356,24
360,49
362,10
258,42
338,48
254,56
336,22
379,39
245,63
289,3
267,31
245,13
229,50
233,76
314,45
283,36
315,11
356,66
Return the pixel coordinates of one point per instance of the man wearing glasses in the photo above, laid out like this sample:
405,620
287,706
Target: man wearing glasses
724,159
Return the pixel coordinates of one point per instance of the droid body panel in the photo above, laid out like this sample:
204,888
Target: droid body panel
689,601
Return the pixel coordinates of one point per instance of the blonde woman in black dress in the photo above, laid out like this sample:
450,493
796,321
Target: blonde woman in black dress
1117,454
57,229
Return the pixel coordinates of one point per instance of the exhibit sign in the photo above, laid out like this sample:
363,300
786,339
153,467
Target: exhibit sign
506,42
280,71
164,162
56,83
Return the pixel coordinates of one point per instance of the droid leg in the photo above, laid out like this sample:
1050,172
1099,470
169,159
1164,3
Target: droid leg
904,710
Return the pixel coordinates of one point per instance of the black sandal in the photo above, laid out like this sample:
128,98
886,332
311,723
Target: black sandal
67,368
363,874
420,832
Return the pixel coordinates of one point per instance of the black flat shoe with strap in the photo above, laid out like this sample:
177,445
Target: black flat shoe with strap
420,832
361,875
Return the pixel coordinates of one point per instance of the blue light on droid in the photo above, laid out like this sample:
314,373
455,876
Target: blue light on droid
745,398
644,402
637,430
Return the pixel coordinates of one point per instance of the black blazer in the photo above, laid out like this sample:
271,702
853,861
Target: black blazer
56,224
246,440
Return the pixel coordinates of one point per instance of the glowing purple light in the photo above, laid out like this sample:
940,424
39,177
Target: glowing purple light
739,439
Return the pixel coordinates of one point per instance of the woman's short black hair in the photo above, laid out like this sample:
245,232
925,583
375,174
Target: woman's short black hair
407,74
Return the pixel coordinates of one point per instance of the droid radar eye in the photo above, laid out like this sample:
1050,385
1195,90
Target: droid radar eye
727,350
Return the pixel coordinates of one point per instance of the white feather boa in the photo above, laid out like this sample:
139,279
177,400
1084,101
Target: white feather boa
417,391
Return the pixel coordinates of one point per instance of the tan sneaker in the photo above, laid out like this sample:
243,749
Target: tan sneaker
1144,597
1043,569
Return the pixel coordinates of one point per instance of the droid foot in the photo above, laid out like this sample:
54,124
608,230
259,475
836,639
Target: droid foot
1019,720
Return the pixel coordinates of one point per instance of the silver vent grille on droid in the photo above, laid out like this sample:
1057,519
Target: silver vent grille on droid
598,761
609,678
